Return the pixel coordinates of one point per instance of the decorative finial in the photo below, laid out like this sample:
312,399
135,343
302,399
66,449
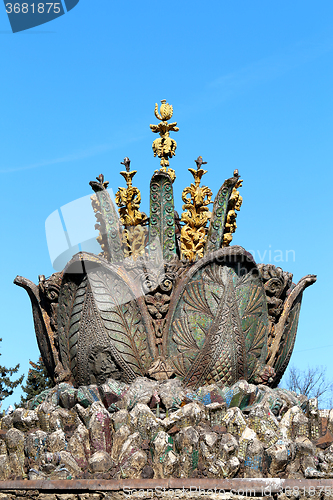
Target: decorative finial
235,202
100,185
165,147
126,162
128,175
196,215
199,162
128,200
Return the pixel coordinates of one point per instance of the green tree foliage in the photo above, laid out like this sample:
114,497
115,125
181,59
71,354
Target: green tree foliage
37,381
7,385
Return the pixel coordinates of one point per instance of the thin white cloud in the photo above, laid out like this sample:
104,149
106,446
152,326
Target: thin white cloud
78,155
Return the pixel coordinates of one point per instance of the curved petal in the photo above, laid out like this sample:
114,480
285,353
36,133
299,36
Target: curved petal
217,325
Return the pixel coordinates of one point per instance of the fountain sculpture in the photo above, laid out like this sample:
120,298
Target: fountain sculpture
168,296
167,348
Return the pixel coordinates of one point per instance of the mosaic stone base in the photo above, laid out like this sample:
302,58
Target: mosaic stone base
151,429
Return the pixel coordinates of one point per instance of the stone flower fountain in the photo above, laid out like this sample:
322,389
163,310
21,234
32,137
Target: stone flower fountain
167,348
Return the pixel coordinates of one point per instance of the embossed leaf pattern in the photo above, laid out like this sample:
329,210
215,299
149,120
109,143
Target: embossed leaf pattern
222,356
253,312
179,365
75,323
184,338
64,312
122,319
193,322
187,330
195,298
230,312
213,273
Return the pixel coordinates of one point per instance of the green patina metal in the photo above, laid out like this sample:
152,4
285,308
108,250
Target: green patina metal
219,215
217,330
108,221
219,318
162,218
111,221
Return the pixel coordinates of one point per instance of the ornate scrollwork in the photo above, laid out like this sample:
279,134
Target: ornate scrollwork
235,202
277,283
128,200
99,186
158,284
49,293
283,300
205,314
196,215
107,221
165,147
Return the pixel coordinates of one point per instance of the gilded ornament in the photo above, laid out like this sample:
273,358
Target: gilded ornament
165,147
196,215
235,202
214,317
128,200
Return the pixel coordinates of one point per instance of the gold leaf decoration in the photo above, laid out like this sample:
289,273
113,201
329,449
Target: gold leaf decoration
235,202
165,147
196,215
128,200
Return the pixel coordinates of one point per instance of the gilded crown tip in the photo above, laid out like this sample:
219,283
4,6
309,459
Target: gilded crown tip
164,147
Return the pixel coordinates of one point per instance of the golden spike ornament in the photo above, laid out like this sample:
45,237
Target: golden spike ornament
196,198
235,202
165,147
128,200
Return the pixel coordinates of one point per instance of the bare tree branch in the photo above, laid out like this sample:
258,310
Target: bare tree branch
311,382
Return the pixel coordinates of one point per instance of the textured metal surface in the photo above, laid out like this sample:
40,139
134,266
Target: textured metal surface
108,222
175,306
217,325
111,220
286,347
286,327
102,308
162,218
44,333
219,215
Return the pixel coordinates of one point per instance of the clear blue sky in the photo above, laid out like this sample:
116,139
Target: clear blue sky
251,84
